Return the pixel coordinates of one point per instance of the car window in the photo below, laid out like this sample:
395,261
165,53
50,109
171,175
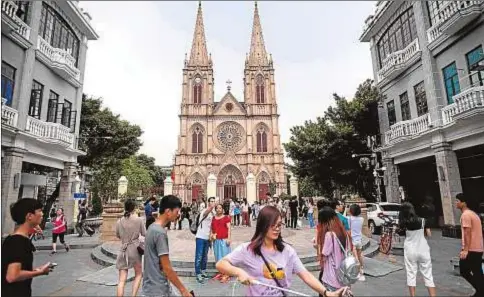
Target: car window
390,207
371,207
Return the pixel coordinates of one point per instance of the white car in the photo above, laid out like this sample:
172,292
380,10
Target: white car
376,210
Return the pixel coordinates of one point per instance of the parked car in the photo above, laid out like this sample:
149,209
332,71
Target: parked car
377,210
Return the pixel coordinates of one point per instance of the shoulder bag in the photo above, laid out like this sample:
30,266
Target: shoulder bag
273,274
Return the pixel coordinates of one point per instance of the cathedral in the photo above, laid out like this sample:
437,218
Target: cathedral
227,147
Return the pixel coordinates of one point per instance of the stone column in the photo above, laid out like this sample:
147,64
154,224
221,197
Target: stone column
251,188
211,185
391,181
449,181
112,212
294,186
122,187
168,186
66,194
11,172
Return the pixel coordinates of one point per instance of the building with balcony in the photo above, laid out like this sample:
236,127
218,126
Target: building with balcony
428,63
44,46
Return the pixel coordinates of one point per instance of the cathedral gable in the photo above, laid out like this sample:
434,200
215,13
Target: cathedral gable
229,106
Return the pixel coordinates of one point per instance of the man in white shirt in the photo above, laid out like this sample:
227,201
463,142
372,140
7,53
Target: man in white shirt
202,240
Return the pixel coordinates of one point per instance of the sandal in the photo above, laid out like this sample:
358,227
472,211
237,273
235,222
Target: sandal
224,279
217,277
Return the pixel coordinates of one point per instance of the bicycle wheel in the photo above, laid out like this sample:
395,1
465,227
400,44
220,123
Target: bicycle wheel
385,244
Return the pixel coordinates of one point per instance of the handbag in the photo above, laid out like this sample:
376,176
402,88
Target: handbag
273,274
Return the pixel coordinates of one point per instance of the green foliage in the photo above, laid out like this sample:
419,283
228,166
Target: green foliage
137,174
307,188
321,150
97,205
156,173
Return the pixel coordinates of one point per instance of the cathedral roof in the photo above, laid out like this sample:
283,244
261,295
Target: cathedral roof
257,55
229,105
199,55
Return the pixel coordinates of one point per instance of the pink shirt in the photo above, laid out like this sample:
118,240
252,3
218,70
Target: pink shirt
470,219
59,225
333,256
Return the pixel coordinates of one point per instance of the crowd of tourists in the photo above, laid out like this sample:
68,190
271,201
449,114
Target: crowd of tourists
266,263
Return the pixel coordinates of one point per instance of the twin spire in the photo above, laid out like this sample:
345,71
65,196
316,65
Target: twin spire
199,55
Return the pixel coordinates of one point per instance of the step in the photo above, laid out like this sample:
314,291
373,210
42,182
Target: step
100,258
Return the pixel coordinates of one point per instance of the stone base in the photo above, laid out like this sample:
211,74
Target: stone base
111,214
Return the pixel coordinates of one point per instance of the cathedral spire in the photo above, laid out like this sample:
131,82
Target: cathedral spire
199,55
257,54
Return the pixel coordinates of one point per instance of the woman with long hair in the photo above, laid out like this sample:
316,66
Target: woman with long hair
128,229
416,249
331,240
220,235
267,259
59,230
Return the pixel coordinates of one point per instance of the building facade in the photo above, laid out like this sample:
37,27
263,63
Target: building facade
223,145
428,63
44,46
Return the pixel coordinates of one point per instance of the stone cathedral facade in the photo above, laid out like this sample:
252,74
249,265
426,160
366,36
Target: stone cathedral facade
228,147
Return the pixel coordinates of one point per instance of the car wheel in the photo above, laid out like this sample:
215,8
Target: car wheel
372,227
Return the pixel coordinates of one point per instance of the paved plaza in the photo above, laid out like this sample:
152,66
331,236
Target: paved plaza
64,281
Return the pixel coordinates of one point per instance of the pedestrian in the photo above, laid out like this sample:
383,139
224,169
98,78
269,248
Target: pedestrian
158,274
149,210
245,213
356,228
59,230
129,229
17,250
185,214
415,248
268,259
220,235
202,240
310,213
339,207
470,263
237,214
332,241
293,208
81,217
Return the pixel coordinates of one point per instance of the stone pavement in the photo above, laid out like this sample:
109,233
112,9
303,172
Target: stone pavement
77,263
73,240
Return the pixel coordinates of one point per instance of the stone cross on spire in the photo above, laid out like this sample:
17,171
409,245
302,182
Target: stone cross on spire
229,83
257,54
199,55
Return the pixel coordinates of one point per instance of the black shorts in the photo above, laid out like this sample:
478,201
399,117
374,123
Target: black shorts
61,237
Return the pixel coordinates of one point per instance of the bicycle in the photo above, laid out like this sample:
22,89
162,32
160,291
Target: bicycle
389,235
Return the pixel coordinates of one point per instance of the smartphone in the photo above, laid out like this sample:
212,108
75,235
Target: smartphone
193,294
52,265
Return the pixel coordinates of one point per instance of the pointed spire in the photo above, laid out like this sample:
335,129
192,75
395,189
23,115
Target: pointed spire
257,54
199,55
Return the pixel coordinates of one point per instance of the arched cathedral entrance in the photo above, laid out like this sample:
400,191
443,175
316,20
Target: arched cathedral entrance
230,183
263,181
196,185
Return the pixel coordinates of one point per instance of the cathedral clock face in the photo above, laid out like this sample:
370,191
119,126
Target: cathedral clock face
230,136
198,80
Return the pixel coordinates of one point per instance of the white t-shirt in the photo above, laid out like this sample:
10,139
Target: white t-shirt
356,225
203,231
245,207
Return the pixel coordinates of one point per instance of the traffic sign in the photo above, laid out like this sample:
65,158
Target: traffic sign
80,196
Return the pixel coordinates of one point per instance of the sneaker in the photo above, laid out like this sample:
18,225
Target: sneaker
361,278
67,248
200,279
205,275
53,252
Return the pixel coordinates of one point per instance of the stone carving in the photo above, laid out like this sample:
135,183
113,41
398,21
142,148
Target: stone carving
230,136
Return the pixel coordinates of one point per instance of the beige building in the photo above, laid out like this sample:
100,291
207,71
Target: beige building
229,148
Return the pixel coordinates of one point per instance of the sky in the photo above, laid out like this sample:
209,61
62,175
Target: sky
136,64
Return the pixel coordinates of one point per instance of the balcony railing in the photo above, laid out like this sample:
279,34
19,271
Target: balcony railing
397,61
470,99
60,60
460,12
261,109
9,115
52,132
195,109
10,9
408,128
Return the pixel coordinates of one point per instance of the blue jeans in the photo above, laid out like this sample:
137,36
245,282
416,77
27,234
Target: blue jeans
201,252
311,220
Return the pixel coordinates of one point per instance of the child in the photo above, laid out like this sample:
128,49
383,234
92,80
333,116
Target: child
220,234
356,225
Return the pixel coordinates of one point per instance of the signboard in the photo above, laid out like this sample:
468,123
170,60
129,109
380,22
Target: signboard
80,196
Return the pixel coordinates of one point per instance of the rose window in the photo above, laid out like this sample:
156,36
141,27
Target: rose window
230,136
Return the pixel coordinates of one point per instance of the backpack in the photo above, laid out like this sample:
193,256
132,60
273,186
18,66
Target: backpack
196,223
349,269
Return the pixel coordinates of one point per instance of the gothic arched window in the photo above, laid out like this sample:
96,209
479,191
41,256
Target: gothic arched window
197,91
261,140
197,141
259,89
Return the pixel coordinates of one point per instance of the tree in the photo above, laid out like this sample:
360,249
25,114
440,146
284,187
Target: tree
322,149
156,173
138,176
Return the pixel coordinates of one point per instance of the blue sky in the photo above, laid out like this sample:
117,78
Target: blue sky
136,65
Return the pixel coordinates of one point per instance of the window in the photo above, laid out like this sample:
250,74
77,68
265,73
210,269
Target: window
398,35
261,141
66,113
392,117
55,30
22,10
197,141
420,99
473,58
197,91
451,82
259,89
8,83
52,108
405,107
433,11
36,99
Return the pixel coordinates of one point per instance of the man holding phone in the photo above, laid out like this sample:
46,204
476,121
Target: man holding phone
17,250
